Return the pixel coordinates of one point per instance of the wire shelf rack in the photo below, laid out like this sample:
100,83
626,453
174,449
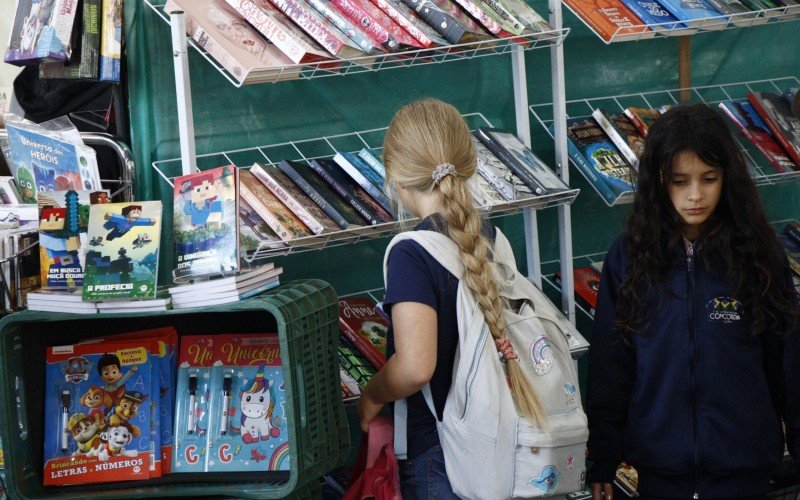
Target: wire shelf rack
306,150
373,63
763,173
550,267
723,22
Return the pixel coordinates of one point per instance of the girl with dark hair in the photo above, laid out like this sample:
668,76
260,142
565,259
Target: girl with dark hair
695,354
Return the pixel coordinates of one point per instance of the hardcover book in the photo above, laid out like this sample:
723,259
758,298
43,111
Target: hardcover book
777,114
610,19
654,15
351,192
622,133
279,30
282,220
448,20
742,114
587,283
205,224
233,43
642,118
695,13
254,232
42,31
124,263
498,175
365,176
405,19
85,60
521,160
294,198
322,194
111,40
379,26
593,153
365,328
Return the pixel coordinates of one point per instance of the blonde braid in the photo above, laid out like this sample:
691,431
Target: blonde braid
422,135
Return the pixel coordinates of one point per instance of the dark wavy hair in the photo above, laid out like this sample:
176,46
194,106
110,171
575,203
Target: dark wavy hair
737,233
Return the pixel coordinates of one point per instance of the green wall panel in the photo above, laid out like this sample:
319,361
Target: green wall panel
229,118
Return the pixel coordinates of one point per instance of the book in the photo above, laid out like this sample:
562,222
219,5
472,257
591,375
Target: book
192,409
42,32
365,176
354,363
695,13
777,114
379,26
111,40
742,114
27,272
487,17
405,19
373,160
85,60
792,250
365,328
278,29
8,191
793,231
610,19
484,194
409,14
596,157
269,207
242,282
498,174
733,8
125,266
587,283
233,43
254,232
448,20
352,193
654,15
353,31
521,160
642,118
622,133
519,9
205,223
218,299
322,194
294,198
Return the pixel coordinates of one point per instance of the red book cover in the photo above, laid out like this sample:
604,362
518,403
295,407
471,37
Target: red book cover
587,282
777,114
377,25
366,328
744,115
609,18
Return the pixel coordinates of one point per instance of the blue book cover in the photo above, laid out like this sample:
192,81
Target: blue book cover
365,176
653,14
192,403
373,159
41,32
693,11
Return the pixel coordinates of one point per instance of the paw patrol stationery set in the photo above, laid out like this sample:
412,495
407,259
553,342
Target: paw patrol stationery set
241,400
98,398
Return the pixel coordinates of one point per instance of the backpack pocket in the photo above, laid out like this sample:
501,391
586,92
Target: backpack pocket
549,463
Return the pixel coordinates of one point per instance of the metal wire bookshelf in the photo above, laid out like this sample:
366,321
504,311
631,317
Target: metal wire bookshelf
550,267
373,63
763,173
306,150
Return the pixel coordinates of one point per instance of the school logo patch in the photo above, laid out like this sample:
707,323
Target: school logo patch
724,309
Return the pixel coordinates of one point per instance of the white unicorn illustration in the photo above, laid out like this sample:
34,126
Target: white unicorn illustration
257,404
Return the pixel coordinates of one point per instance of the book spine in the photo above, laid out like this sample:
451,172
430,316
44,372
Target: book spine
583,166
605,123
264,213
348,197
90,39
288,200
504,189
373,162
314,195
444,24
275,32
637,122
297,12
354,32
756,100
417,21
361,344
508,20
110,40
771,156
519,170
216,50
403,22
362,181
372,25
475,11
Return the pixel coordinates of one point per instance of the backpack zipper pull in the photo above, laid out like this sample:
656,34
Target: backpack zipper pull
696,496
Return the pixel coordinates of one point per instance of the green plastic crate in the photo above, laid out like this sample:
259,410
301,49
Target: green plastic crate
305,315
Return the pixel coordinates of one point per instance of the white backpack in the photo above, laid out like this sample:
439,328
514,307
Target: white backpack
490,451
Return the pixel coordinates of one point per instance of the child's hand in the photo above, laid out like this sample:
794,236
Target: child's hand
367,410
602,491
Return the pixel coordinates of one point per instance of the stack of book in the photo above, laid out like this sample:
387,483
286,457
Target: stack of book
226,290
68,300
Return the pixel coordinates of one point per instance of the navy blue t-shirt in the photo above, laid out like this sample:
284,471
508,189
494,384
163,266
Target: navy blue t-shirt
414,276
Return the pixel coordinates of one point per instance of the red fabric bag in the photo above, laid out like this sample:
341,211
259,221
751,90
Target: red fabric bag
376,473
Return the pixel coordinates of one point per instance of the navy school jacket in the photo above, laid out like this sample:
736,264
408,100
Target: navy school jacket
695,404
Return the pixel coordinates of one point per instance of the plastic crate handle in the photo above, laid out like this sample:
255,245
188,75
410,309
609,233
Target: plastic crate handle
301,393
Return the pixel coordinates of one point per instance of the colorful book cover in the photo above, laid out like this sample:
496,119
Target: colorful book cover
85,59
249,429
294,198
417,21
124,263
358,37
380,27
610,19
598,159
519,9
742,114
497,173
205,223
42,31
365,176
44,163
448,20
587,284
282,220
730,7
354,363
695,13
254,232
405,19
97,413
322,194
486,17
622,133
653,14
642,118
521,160
365,327
192,403
351,192
63,240
111,40
777,114
484,194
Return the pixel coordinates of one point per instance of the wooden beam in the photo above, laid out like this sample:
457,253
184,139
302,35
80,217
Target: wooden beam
685,66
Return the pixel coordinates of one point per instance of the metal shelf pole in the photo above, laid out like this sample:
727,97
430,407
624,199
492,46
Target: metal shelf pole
183,91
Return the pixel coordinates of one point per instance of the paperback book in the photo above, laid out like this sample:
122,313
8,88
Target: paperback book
282,220
642,118
351,192
498,175
587,284
742,114
85,59
111,40
254,232
622,133
365,176
193,412
42,31
610,19
365,328
448,20
777,114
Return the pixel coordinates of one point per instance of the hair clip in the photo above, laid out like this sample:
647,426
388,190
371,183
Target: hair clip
441,171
